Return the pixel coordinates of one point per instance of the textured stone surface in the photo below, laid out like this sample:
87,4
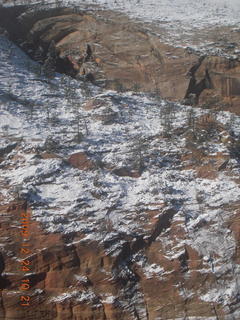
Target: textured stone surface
113,51
81,161
85,280
84,268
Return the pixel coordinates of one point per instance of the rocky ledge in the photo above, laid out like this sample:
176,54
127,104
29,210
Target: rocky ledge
110,50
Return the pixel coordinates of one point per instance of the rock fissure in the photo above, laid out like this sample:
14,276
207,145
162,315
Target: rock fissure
164,222
197,86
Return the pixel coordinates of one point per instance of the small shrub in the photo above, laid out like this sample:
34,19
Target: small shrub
51,145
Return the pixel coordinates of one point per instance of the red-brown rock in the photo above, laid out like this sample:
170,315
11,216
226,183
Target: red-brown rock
81,161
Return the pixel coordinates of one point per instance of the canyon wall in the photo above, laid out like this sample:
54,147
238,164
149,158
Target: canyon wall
115,52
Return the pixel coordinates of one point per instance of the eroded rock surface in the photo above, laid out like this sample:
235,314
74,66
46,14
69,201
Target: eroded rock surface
138,219
111,50
76,279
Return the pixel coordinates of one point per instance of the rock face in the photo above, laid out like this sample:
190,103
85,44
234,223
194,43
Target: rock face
143,223
216,83
112,51
85,271
81,161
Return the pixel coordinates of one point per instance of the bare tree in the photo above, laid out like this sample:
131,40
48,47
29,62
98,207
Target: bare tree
191,120
49,65
139,148
167,116
72,98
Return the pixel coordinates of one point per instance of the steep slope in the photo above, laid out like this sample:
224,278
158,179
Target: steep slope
132,201
115,52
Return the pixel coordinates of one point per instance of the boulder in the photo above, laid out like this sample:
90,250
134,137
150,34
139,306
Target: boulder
81,161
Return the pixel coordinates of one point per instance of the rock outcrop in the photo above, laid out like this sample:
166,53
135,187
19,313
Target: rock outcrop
81,161
215,82
143,222
113,51
74,279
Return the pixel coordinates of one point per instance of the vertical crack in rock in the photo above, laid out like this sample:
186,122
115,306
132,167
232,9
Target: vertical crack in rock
124,260
183,258
163,223
196,87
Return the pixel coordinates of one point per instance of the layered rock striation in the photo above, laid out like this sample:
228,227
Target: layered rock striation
113,51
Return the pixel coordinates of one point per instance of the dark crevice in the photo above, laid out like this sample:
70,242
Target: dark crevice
194,68
196,87
123,256
183,259
19,32
6,150
4,283
130,248
164,222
